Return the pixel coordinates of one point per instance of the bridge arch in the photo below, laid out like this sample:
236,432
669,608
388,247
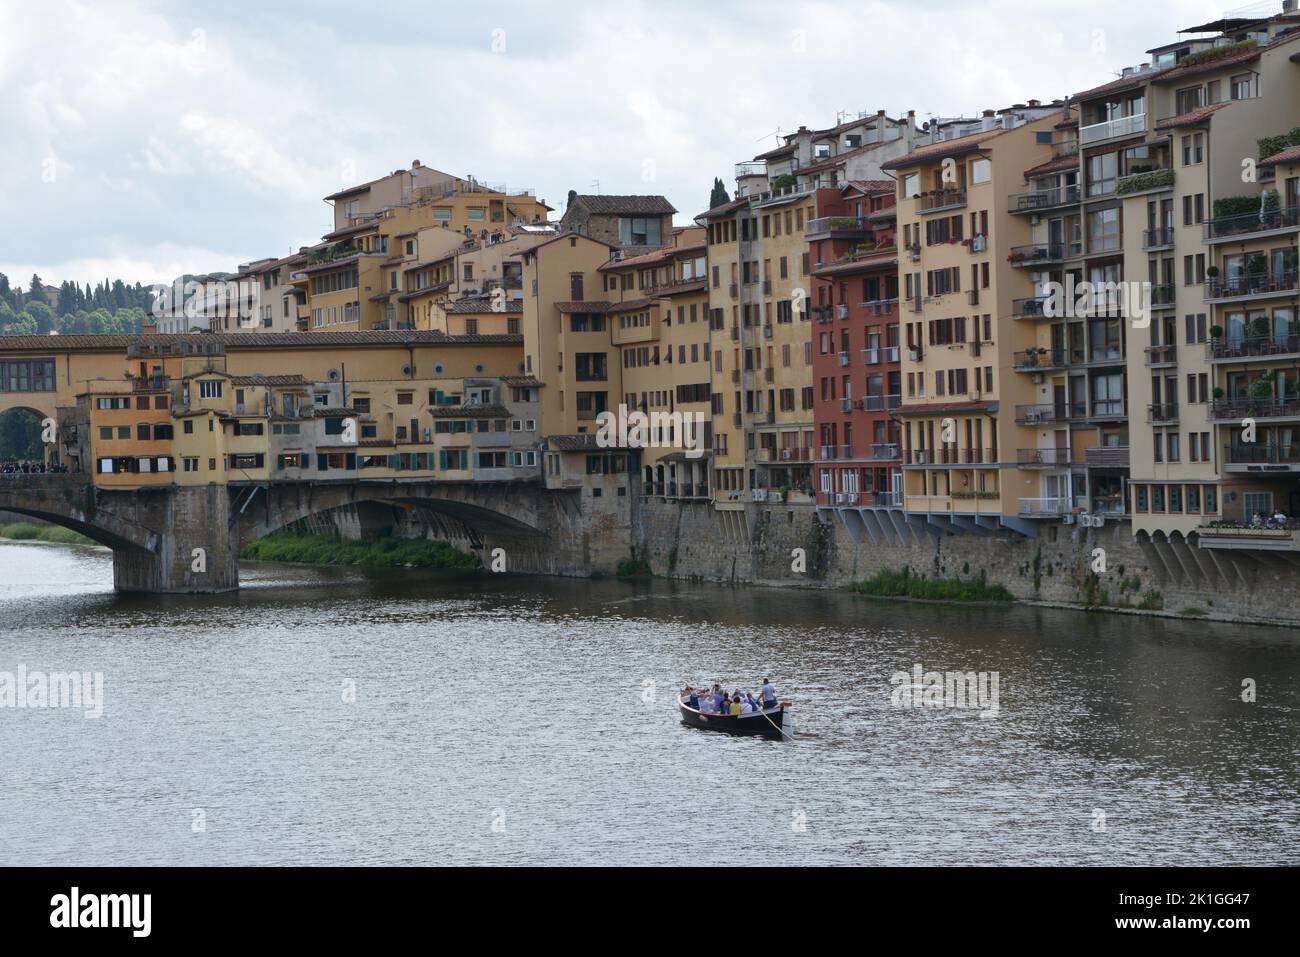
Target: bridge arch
69,502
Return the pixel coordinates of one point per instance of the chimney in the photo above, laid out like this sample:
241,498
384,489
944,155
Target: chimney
1034,103
415,164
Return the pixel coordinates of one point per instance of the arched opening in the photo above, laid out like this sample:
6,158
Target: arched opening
96,533
22,446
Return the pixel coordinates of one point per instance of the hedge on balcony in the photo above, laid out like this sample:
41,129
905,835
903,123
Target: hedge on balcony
1271,145
1226,206
1218,53
1141,182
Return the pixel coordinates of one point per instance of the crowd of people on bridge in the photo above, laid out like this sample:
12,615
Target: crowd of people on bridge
19,467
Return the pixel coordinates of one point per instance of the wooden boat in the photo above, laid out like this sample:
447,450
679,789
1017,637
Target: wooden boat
769,723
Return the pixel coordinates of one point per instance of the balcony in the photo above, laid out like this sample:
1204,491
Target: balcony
889,354
1144,182
941,199
1034,307
1162,413
1113,129
1106,457
1039,360
1163,295
838,227
1045,507
1262,285
1042,199
1255,347
1243,225
751,168
1261,457
1160,357
882,307
1037,254
885,451
1161,238
870,357
977,456
1242,407
1042,458
1046,414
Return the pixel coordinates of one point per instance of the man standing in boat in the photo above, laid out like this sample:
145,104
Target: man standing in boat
768,694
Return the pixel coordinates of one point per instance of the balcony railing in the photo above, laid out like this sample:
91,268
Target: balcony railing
1163,294
1243,224
838,225
1255,346
885,451
1236,408
889,354
1037,507
1157,238
1042,414
1161,356
751,168
1162,412
870,357
1261,454
1043,458
1120,126
1036,254
1039,360
1262,284
1044,199
1034,307
1106,457
941,199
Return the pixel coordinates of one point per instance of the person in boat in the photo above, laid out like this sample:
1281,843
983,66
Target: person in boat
734,707
692,699
705,702
768,694
750,704
719,699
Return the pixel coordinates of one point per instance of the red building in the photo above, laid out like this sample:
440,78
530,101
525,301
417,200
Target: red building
857,387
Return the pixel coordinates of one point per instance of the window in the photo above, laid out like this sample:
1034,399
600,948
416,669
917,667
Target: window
981,171
1243,86
211,388
638,231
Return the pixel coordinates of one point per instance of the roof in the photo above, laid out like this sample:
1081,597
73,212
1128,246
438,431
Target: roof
1053,166
678,288
777,153
352,230
728,207
1289,155
974,405
270,380
1190,118
954,147
873,186
248,340
582,305
662,254
583,442
476,304
469,412
522,380
625,205
833,161
629,304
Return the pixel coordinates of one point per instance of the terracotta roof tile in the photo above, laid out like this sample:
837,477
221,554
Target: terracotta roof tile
626,205
953,147
1190,118
1290,155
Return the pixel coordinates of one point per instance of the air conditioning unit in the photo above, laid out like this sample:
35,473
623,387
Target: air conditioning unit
920,456
914,355
1036,378
428,434
1067,519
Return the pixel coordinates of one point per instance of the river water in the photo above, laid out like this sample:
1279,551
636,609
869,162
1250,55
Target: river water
333,716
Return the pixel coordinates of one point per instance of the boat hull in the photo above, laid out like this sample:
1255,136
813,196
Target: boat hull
763,724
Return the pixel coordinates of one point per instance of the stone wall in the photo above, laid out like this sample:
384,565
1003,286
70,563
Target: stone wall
756,544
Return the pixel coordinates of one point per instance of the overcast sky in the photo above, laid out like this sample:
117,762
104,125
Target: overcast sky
144,140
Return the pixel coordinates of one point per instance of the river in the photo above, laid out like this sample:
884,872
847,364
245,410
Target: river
332,716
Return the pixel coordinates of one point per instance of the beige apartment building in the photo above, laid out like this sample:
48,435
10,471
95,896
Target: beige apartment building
658,315
1175,175
970,454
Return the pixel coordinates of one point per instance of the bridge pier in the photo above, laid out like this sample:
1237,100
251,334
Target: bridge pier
196,550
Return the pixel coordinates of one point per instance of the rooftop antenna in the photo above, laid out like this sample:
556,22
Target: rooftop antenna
596,184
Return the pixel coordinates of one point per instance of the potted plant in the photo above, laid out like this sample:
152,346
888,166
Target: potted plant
1217,392
1216,332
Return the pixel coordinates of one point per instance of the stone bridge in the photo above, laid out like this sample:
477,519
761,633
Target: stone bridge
187,539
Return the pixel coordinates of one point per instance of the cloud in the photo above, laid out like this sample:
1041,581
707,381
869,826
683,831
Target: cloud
216,131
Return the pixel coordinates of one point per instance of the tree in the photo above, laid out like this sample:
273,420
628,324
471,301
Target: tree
36,290
42,316
719,196
20,436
